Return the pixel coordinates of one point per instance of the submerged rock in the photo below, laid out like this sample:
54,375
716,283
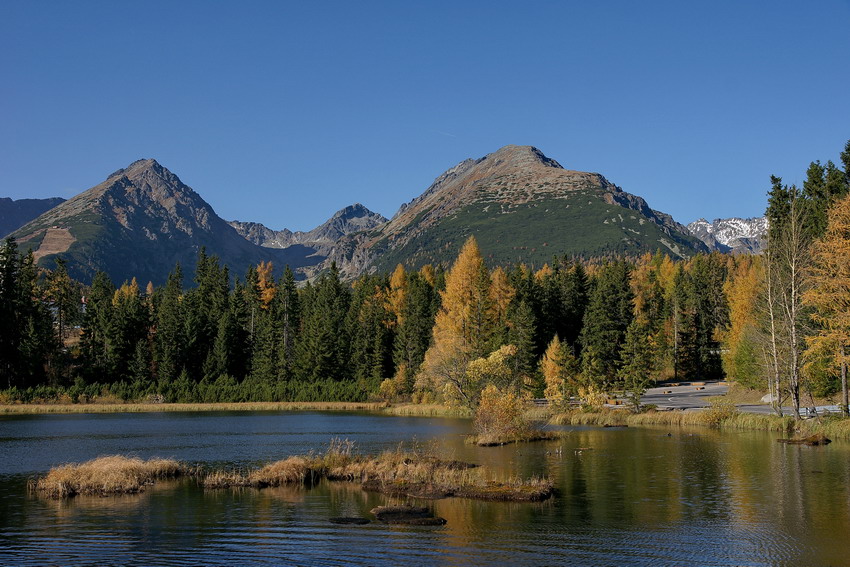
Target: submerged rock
350,520
811,440
407,515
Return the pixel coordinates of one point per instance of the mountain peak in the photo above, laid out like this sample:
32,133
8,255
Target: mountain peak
146,167
522,156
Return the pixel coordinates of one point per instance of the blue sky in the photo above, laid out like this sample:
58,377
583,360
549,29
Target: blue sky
284,112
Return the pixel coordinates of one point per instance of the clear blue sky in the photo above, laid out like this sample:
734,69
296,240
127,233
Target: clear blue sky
284,112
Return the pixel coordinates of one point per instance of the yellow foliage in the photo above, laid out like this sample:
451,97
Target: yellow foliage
742,290
543,273
829,293
552,366
265,283
427,272
396,294
125,292
500,417
461,324
501,293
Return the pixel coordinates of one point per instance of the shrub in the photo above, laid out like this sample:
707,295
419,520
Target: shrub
500,417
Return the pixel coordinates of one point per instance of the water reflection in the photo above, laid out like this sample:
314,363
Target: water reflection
635,496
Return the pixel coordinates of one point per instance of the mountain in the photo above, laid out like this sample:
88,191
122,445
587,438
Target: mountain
349,220
735,235
522,207
138,223
16,213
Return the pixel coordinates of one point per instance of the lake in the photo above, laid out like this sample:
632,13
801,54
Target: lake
633,496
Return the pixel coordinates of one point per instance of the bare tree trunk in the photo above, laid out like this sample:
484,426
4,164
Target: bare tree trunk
774,379
793,250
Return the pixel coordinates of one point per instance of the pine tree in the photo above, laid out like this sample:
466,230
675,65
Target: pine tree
608,315
96,361
170,338
574,297
413,335
129,325
59,294
638,362
324,344
289,314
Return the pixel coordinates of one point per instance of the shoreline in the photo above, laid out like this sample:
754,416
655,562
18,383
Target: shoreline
728,418
834,427
36,409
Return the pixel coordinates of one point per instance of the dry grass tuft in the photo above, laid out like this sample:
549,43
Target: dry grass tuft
294,470
114,474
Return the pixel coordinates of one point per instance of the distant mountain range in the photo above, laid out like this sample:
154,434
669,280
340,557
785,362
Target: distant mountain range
16,213
521,206
735,235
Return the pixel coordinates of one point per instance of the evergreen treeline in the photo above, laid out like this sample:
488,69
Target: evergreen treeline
256,339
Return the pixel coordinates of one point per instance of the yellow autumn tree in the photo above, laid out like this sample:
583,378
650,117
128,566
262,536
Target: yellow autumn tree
740,354
125,292
396,295
462,326
265,284
552,366
560,371
829,293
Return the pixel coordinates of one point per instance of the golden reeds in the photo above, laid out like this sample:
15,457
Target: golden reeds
113,474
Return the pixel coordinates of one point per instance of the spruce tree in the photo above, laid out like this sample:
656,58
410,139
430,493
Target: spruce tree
608,315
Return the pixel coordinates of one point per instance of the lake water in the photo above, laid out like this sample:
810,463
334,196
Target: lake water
638,497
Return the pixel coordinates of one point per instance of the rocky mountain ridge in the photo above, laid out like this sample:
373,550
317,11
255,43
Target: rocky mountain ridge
351,219
732,235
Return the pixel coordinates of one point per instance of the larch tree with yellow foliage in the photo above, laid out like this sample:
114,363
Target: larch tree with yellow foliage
560,371
463,325
829,293
742,354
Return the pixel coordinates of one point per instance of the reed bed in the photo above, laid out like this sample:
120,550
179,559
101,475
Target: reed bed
399,472
115,474
428,410
167,407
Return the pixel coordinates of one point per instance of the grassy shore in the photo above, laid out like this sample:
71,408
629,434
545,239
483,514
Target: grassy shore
722,418
428,410
145,408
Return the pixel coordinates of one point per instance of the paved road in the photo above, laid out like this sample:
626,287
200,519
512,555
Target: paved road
687,395
694,395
